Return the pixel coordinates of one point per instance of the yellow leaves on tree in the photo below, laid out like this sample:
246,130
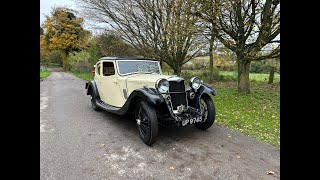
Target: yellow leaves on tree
222,62
64,32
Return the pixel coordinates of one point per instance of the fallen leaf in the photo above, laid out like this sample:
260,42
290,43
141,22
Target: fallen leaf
172,168
270,172
102,145
238,156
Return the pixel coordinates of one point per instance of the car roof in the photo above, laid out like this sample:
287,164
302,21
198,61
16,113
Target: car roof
123,58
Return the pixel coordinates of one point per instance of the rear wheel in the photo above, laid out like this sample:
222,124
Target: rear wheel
94,102
147,122
208,113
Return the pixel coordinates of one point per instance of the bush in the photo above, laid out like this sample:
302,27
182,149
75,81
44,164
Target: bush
94,52
44,57
79,62
187,66
50,57
54,57
258,67
202,74
200,64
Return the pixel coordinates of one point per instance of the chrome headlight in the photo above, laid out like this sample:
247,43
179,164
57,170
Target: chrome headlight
162,85
195,83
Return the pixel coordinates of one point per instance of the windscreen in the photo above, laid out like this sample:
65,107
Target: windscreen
135,67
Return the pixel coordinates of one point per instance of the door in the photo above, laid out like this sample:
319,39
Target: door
110,86
97,77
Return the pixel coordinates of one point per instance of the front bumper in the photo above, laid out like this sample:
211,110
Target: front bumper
189,116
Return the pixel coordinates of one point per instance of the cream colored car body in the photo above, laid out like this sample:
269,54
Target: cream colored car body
115,89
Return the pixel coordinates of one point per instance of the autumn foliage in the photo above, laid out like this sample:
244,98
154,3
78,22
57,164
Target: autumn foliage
64,32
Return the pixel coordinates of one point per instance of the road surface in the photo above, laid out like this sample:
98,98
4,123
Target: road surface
78,143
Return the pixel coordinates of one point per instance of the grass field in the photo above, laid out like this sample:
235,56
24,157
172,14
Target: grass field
85,76
44,74
256,115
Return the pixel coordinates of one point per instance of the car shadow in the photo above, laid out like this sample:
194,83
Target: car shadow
167,135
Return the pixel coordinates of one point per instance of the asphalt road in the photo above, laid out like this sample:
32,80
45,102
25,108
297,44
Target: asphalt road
78,143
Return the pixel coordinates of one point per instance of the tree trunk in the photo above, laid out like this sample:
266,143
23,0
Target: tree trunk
64,58
177,71
243,76
271,75
211,59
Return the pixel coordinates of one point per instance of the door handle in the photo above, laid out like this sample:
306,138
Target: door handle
115,82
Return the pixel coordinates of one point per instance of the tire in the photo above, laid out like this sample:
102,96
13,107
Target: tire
94,102
147,122
208,119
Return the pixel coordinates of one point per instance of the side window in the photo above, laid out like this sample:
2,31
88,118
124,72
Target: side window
98,69
108,69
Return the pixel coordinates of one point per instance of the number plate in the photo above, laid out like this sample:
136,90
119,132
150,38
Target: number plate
191,121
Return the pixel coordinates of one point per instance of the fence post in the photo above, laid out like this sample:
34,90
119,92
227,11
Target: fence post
43,68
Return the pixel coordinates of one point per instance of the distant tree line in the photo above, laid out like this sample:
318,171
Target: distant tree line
172,31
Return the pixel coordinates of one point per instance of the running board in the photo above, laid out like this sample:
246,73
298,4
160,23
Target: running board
107,107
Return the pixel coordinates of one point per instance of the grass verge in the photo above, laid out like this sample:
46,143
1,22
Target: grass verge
256,114
85,76
44,74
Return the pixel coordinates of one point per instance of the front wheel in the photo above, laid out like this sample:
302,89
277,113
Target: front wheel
147,122
208,113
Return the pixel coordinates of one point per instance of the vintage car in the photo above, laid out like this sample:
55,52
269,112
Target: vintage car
133,85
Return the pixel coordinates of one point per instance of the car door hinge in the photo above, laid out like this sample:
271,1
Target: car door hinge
125,93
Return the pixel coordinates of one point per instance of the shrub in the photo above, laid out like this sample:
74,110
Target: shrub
187,66
258,67
200,64
79,62
186,75
55,57
44,57
202,74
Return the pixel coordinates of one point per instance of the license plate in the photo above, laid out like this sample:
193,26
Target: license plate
191,120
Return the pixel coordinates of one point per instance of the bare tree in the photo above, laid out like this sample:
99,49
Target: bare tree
160,29
247,27
206,12
109,43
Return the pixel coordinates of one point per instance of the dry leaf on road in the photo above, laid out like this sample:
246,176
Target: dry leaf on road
270,172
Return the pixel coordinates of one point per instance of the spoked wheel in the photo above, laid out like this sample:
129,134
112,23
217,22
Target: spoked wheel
94,102
204,109
147,122
208,113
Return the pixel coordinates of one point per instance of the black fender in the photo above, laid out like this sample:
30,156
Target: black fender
147,94
92,86
204,90
207,89
150,95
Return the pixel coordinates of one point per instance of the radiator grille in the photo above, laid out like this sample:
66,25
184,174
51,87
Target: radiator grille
176,86
180,96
